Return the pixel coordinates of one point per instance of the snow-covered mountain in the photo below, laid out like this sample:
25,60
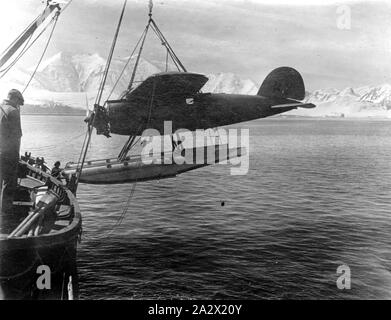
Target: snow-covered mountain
73,80
229,83
359,102
380,95
82,73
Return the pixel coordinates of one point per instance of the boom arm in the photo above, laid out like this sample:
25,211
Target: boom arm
9,52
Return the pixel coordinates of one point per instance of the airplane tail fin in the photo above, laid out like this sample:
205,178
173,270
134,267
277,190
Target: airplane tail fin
283,82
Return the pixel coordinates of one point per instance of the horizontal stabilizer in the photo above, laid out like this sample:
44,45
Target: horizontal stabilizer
294,105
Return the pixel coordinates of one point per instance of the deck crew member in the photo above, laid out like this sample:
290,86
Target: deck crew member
10,135
58,172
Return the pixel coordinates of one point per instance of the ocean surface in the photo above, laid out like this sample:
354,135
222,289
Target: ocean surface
317,195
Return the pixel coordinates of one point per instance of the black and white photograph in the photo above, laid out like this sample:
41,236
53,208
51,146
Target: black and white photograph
210,150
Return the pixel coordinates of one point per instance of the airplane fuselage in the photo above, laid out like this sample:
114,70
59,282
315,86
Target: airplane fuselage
201,111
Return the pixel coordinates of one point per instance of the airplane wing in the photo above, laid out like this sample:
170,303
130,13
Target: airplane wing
293,106
168,85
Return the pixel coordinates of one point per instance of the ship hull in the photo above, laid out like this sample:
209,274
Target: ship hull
20,271
42,266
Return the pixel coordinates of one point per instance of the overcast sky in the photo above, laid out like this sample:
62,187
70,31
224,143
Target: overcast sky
248,38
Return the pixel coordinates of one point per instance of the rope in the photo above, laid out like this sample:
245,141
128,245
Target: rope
138,56
125,210
129,145
106,71
167,48
167,61
121,218
151,104
44,51
25,49
126,65
8,68
160,35
130,197
88,133
87,139
20,35
66,6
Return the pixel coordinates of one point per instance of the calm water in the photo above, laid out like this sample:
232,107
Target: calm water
317,195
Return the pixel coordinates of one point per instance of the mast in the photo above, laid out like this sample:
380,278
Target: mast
25,35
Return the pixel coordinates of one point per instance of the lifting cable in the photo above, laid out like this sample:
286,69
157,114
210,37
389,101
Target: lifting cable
126,65
138,56
109,59
28,45
17,39
131,142
164,41
87,139
131,194
21,53
44,51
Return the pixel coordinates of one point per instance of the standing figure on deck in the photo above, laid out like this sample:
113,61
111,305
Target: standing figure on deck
58,172
10,135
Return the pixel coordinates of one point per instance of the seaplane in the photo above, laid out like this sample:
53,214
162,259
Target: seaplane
45,224
177,96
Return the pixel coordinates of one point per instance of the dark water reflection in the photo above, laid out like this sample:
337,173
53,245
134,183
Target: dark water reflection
317,195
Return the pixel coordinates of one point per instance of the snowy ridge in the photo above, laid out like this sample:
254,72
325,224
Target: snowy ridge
229,83
349,102
73,80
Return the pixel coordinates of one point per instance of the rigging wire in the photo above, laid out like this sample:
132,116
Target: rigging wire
44,51
131,194
27,45
8,68
138,56
168,51
131,142
87,138
119,222
20,35
167,45
167,61
178,64
110,57
126,65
